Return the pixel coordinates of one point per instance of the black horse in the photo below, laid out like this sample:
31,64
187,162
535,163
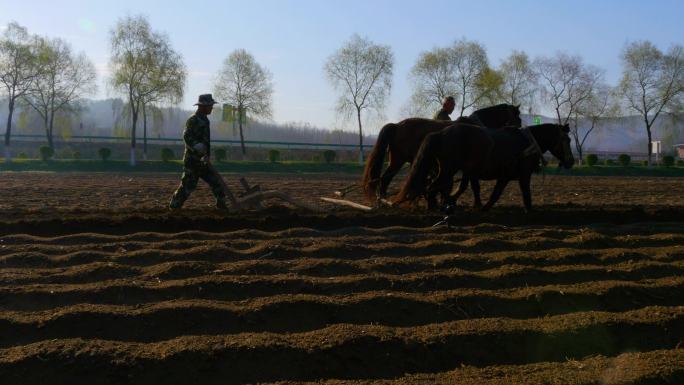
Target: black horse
502,155
402,140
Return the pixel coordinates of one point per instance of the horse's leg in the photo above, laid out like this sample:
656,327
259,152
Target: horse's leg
447,185
496,193
524,183
440,185
432,199
462,186
388,175
475,186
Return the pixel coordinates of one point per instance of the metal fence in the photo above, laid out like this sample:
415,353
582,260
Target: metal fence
249,143
270,144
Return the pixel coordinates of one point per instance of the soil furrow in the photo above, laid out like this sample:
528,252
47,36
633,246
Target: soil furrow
658,367
504,276
299,313
339,249
335,352
395,308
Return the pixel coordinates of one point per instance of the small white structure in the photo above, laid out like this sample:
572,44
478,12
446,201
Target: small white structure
656,148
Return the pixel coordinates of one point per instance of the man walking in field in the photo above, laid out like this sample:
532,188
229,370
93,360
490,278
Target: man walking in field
448,105
197,155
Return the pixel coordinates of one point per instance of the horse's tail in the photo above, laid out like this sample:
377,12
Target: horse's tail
416,182
371,174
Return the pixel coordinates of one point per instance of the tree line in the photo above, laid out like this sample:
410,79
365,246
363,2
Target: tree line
652,83
45,75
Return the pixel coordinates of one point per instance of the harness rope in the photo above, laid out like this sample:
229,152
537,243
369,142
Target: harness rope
534,149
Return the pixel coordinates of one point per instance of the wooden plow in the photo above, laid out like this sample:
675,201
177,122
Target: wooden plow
381,203
251,197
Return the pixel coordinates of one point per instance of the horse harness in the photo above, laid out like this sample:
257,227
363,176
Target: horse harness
533,149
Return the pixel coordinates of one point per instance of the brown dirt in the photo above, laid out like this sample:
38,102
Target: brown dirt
99,284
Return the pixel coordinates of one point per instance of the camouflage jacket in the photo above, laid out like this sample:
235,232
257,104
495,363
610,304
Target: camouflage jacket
196,131
441,115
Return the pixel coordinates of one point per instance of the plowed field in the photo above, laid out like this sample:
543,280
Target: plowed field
99,284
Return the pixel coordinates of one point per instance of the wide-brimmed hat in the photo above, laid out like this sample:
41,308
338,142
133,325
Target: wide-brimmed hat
206,100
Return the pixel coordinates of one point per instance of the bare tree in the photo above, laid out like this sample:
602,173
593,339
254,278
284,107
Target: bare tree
65,79
19,68
565,83
651,81
361,72
433,78
135,50
469,60
489,86
163,82
519,80
590,112
247,85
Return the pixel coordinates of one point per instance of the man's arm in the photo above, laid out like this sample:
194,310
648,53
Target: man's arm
192,137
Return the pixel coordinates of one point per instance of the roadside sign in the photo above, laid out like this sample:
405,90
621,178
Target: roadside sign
537,120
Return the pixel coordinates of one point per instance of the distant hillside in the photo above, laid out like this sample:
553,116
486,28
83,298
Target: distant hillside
627,133
109,118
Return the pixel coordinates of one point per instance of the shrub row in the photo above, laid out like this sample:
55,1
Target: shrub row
625,160
167,155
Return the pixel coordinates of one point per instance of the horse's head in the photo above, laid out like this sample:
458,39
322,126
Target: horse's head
514,116
560,147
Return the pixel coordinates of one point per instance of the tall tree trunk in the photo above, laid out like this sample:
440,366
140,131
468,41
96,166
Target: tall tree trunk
358,116
51,126
46,126
242,137
133,129
144,111
650,149
579,155
8,131
575,137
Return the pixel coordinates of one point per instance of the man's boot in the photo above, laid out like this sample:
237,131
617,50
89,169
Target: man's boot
221,204
177,201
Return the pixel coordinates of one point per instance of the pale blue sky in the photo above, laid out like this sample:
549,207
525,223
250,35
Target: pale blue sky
293,38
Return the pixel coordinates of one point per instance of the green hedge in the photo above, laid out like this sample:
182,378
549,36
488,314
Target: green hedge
220,154
104,153
625,160
273,156
167,154
46,153
591,159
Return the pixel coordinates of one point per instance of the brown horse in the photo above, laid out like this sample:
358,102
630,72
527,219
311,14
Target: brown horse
503,155
403,140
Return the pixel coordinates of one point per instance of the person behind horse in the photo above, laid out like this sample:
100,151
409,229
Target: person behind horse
448,105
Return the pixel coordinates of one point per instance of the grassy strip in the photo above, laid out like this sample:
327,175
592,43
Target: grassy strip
176,166
655,171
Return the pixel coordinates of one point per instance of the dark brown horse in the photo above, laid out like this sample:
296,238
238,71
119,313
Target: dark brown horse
403,140
502,155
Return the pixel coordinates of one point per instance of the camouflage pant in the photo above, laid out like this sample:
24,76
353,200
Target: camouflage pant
192,172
